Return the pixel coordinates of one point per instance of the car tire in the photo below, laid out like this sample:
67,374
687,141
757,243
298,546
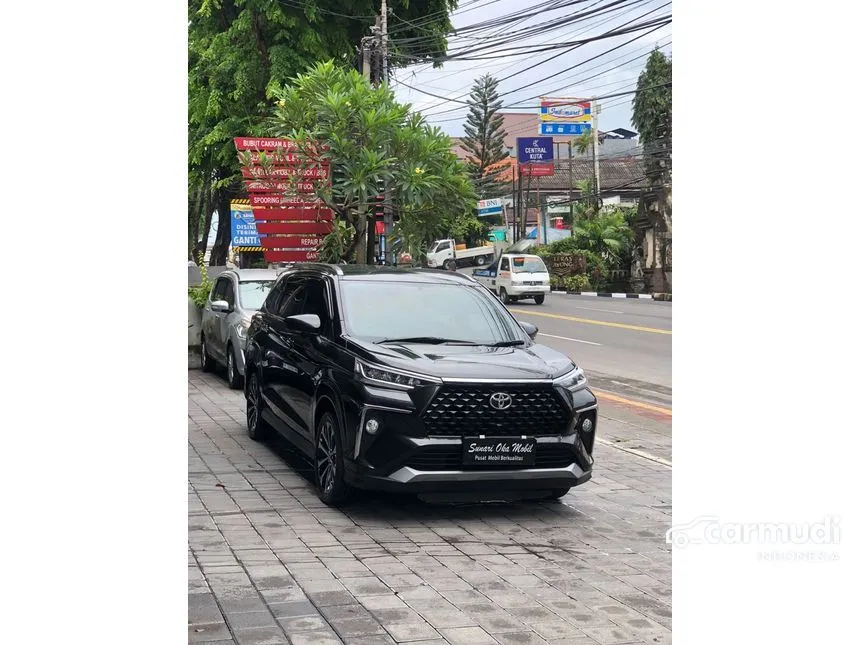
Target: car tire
332,489
207,363
480,260
539,299
258,428
503,295
234,379
450,265
557,493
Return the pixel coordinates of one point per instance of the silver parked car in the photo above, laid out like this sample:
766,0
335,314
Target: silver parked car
236,296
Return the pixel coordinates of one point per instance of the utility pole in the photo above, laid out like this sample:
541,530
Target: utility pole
596,110
570,180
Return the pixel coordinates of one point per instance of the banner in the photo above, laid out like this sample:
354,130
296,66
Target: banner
243,226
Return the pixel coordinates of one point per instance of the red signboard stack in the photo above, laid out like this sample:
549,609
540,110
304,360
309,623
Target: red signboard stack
290,221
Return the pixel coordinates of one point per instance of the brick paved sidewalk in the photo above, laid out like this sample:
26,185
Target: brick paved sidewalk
270,564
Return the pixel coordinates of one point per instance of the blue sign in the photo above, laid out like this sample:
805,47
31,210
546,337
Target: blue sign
565,128
489,207
243,228
534,149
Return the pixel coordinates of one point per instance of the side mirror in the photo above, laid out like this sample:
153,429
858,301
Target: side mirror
531,330
220,306
305,322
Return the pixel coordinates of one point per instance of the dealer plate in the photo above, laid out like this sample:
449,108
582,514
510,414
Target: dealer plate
499,451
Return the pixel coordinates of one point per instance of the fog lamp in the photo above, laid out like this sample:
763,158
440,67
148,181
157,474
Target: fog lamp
587,425
372,426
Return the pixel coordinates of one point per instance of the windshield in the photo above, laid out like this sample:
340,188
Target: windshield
528,265
252,294
377,311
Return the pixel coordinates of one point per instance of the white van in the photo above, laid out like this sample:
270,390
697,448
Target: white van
515,276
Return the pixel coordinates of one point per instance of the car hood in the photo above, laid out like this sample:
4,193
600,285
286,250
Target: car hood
465,361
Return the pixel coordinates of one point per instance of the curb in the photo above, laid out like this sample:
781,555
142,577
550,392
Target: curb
601,294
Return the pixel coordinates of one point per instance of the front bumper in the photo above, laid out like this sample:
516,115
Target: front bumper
402,457
528,290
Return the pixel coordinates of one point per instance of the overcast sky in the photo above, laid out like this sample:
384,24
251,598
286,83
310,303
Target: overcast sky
617,71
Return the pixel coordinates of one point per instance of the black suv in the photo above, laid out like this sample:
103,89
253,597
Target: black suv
414,380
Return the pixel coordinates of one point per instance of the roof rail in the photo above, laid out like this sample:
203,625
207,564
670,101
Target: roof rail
333,269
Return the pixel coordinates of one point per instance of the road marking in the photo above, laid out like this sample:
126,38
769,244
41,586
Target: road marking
635,404
592,322
575,340
634,451
608,311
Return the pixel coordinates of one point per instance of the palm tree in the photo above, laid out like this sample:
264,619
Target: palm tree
606,234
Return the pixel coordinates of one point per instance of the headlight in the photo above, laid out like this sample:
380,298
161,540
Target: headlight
242,329
573,380
391,378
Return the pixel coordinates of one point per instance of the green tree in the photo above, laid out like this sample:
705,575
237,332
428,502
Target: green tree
485,139
652,116
607,234
238,50
368,139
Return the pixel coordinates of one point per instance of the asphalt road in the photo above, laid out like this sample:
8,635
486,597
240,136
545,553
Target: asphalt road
624,339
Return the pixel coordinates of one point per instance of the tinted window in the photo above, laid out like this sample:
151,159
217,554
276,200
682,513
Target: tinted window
286,288
229,296
444,246
271,303
376,310
293,302
253,294
506,265
220,290
528,265
309,297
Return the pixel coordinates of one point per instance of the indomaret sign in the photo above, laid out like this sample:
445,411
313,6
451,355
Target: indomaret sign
281,181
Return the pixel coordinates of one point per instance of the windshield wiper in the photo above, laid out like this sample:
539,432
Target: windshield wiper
508,343
424,340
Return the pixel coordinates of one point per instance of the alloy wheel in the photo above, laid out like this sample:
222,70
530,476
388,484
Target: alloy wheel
326,457
252,405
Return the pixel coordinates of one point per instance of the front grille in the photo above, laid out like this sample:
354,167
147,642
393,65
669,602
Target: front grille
464,410
451,458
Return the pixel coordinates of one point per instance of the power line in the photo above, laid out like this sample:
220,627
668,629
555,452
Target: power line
578,64
574,32
579,80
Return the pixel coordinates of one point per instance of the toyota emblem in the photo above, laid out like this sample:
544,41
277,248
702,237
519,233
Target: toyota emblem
500,401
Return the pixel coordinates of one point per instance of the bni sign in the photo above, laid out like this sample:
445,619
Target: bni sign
534,149
489,207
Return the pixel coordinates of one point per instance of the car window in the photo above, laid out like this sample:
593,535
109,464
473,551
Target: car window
293,298
460,312
270,305
529,265
506,265
309,297
252,293
229,294
316,302
444,246
220,290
